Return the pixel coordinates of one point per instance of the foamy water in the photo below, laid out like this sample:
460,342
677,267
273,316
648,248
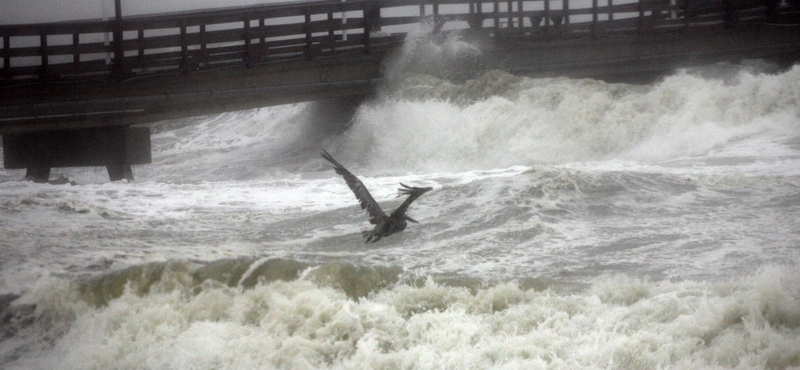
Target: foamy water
574,224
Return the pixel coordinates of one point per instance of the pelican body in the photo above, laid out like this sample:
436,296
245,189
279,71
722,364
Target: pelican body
385,225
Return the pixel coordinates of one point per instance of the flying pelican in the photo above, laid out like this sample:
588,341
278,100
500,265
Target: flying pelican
384,225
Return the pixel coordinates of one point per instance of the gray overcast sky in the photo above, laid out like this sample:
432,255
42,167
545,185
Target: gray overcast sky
35,11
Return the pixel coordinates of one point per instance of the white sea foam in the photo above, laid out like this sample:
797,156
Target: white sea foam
438,126
621,322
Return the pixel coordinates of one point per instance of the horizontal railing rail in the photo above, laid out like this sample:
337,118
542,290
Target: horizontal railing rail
246,36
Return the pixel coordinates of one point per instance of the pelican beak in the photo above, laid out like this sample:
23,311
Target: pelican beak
411,219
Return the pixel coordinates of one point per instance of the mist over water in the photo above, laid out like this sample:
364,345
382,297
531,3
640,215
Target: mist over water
574,224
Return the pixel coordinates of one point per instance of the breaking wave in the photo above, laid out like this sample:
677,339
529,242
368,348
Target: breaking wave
246,314
500,120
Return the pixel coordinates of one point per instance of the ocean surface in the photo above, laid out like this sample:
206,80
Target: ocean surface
574,224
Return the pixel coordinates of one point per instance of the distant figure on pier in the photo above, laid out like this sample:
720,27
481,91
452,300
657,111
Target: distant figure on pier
384,225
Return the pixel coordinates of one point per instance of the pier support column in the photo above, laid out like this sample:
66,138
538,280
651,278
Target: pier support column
116,148
119,171
38,174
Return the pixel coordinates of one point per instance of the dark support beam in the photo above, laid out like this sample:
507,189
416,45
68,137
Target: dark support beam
116,148
119,171
38,174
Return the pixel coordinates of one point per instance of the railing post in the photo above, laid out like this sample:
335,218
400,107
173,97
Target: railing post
262,46
372,14
510,12
184,49
641,15
119,51
610,10
686,13
203,44
367,30
547,16
566,13
331,32
7,56
140,44
496,15
43,48
248,44
308,33
438,22
471,18
594,18
76,55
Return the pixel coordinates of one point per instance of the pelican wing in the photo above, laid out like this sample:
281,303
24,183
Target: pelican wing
358,188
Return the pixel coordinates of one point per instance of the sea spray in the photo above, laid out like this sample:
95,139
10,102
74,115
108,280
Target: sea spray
503,120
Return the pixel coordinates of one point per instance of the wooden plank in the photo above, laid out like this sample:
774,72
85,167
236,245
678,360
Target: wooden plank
35,51
154,42
66,28
232,15
77,50
22,71
67,69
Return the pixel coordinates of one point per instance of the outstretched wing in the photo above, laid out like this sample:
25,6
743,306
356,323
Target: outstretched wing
358,188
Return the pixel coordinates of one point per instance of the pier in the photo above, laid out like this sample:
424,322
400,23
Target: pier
79,93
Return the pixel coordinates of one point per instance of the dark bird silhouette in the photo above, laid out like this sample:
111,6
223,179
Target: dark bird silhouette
384,225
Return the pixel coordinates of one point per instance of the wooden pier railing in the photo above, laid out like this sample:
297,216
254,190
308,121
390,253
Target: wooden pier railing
129,47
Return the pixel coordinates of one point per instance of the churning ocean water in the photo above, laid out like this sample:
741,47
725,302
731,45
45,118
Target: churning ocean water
574,224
